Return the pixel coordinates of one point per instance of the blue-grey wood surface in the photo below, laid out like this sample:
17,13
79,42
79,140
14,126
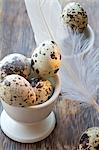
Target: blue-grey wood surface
73,118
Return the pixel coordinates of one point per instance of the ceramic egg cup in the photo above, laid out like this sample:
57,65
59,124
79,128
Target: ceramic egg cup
30,124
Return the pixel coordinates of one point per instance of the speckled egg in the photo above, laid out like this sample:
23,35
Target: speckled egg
43,89
17,91
46,59
15,64
90,139
75,16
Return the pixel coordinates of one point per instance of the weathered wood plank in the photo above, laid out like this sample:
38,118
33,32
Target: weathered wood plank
17,35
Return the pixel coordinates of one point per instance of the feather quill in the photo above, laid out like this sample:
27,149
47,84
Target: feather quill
45,20
79,73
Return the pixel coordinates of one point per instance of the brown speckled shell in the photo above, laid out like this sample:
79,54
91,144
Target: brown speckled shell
46,59
15,64
43,89
75,16
89,139
17,91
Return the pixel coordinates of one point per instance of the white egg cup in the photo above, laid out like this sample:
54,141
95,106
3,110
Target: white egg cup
30,124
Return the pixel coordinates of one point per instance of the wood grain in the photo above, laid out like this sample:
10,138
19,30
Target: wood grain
73,118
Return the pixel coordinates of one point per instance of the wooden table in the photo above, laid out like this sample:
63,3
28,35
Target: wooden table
73,118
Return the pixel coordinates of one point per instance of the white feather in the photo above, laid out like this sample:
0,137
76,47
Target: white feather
45,20
81,80
79,74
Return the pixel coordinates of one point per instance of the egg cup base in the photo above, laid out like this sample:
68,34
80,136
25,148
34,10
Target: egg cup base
27,133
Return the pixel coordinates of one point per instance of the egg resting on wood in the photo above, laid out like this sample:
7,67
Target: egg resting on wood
90,139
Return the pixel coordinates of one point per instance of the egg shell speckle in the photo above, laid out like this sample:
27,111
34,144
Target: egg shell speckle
15,64
43,89
46,59
17,91
90,139
75,17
